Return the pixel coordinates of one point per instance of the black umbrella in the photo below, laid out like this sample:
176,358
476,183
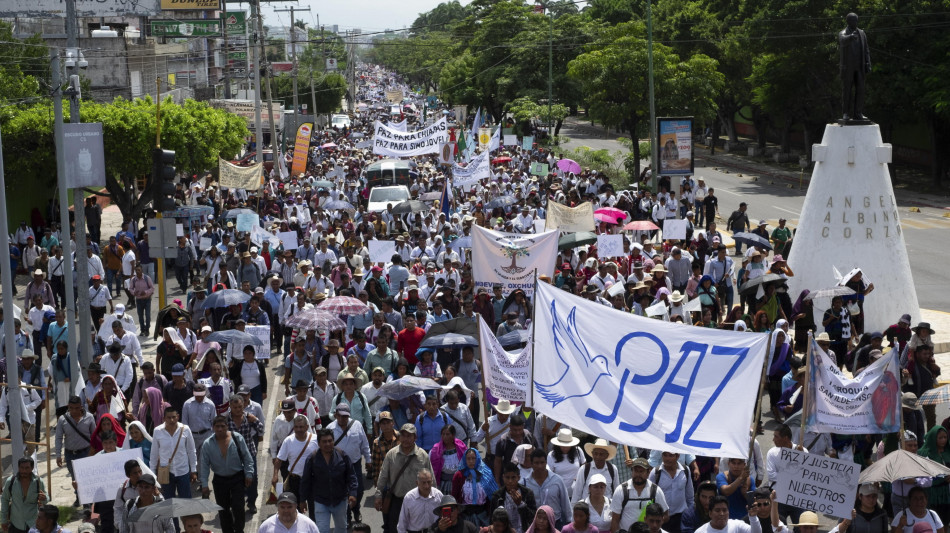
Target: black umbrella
765,279
448,340
233,213
233,336
409,206
502,201
573,240
514,338
225,298
462,326
751,239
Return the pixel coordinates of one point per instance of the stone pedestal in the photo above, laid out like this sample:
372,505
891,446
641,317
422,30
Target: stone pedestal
850,219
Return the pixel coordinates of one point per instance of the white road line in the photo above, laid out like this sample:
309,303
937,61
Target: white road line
796,213
728,191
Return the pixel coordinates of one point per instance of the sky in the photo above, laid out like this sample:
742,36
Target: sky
367,15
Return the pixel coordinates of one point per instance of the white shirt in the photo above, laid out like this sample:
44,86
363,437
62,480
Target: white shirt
302,525
95,267
734,526
278,432
354,444
30,399
636,502
771,457
296,451
128,264
581,485
163,444
130,346
416,513
120,369
99,297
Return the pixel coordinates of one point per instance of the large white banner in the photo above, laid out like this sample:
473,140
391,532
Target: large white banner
816,483
399,126
642,382
510,259
570,219
394,143
231,176
478,168
100,476
507,374
868,403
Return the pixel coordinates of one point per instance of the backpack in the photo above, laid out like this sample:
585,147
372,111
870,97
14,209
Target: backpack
422,417
627,499
610,468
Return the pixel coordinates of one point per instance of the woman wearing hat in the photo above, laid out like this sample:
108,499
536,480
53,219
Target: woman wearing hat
920,337
565,457
867,516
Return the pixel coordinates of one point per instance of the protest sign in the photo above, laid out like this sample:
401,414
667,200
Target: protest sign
288,239
259,235
478,168
381,251
570,219
510,259
527,143
507,374
511,140
644,382
204,243
246,221
815,482
234,177
179,230
539,169
301,148
868,403
260,352
99,476
394,143
609,245
674,229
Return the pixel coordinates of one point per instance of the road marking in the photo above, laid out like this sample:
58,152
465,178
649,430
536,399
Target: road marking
728,191
796,213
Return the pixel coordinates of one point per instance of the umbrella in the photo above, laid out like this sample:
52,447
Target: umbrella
573,240
901,464
765,279
339,205
225,298
316,318
502,201
173,508
751,239
604,217
409,206
500,160
357,135
233,336
829,293
406,386
935,396
612,212
448,340
322,184
518,336
343,305
569,165
641,225
462,326
328,146
233,213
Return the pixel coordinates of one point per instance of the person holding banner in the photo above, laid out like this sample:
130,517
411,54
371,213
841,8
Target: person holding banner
867,516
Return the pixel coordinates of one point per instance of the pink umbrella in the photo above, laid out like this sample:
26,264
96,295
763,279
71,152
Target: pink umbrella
328,146
604,217
569,165
343,305
641,225
612,212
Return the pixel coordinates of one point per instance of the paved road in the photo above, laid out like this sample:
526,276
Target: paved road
773,200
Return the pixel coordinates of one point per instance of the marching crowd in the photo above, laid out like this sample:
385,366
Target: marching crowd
439,455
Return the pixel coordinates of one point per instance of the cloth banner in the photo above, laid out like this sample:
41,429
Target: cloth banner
394,143
394,97
507,374
301,149
234,177
609,245
643,382
484,137
259,235
399,126
510,259
478,168
816,483
868,403
570,219
99,476
381,251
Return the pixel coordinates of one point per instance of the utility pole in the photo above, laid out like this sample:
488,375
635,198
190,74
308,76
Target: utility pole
257,34
293,52
227,56
654,179
270,93
550,74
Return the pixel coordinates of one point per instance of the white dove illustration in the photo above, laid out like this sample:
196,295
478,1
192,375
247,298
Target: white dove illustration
567,342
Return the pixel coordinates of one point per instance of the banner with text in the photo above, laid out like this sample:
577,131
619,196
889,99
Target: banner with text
643,382
99,476
816,483
570,219
301,149
478,168
394,143
510,259
868,403
507,374
231,176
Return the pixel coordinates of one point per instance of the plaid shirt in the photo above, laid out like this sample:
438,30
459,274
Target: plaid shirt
251,431
380,447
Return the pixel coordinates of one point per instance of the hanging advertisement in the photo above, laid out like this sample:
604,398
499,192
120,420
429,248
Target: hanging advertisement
675,142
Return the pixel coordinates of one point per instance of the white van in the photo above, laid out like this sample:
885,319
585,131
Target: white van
380,197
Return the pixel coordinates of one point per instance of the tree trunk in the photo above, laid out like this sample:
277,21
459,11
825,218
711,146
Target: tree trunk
634,122
786,141
557,127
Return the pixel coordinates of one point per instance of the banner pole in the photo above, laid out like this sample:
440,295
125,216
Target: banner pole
758,400
808,361
481,356
534,327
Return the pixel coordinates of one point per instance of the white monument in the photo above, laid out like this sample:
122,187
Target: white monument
850,220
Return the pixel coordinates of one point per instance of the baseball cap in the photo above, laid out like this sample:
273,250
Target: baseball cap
244,390
178,369
385,415
200,389
287,405
344,409
641,462
148,479
408,428
288,497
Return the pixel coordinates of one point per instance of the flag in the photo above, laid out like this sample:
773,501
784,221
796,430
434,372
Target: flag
444,201
477,122
868,403
495,142
461,147
510,259
507,374
643,382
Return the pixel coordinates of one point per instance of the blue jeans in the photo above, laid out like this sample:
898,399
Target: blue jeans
699,212
321,515
177,484
143,306
113,280
251,492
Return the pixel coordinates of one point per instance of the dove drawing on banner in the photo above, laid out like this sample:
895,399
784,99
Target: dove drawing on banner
567,342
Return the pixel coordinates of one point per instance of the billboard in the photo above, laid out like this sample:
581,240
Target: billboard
675,143
236,25
192,5
84,8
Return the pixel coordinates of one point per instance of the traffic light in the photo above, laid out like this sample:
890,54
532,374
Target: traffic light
163,176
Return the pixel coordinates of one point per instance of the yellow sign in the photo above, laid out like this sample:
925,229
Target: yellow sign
191,4
484,137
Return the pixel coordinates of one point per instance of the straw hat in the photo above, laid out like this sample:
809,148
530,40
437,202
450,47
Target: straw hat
565,438
601,444
505,407
808,518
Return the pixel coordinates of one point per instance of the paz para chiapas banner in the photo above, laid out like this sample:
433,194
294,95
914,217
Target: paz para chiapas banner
510,259
643,382
394,143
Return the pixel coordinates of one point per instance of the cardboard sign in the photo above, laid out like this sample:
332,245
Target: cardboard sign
382,251
816,483
511,140
609,246
288,239
674,229
246,221
100,476
539,169
260,352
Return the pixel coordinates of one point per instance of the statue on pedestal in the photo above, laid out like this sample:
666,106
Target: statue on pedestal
855,64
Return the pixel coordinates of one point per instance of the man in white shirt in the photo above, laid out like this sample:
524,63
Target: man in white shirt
418,505
283,426
198,414
293,454
173,446
719,521
677,486
130,343
602,452
288,519
634,495
118,366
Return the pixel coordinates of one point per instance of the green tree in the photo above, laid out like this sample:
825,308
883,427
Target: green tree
328,89
23,64
613,73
